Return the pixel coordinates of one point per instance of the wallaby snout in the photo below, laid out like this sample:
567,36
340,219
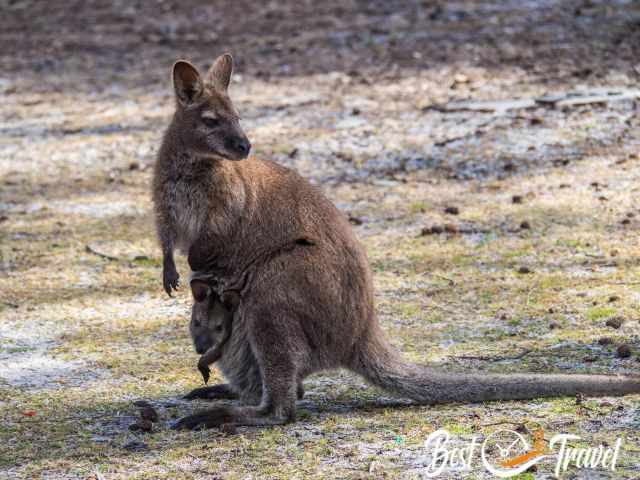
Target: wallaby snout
199,330
240,145
200,345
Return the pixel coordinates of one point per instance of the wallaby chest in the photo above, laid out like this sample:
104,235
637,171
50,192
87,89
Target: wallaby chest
188,208
204,202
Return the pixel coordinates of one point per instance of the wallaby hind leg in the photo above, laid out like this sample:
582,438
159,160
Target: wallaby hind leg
222,391
278,407
279,389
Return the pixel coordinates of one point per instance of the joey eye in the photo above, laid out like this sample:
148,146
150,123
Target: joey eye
211,122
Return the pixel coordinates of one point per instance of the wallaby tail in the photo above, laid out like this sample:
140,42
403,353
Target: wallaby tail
381,364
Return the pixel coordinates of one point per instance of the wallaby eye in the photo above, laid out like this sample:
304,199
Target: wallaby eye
211,122
218,328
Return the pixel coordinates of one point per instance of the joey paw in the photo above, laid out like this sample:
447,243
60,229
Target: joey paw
206,373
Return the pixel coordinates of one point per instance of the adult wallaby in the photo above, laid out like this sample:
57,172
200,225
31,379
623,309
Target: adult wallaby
306,296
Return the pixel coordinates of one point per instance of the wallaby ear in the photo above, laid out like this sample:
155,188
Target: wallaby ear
199,289
219,75
186,82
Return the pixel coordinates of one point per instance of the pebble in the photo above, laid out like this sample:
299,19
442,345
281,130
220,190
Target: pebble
615,322
149,413
433,230
623,351
451,228
451,210
141,425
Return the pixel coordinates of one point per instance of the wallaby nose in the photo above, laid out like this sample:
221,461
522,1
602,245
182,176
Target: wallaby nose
243,146
238,146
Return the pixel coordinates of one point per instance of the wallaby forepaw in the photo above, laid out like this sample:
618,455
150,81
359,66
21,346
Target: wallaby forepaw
170,280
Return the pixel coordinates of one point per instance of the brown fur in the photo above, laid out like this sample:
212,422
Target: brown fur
305,286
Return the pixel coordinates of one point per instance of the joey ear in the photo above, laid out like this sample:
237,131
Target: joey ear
219,75
186,82
199,289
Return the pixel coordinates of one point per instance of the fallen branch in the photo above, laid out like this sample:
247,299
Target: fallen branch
90,249
503,422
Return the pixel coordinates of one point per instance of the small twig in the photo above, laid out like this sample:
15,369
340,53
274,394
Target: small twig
496,359
90,249
472,231
451,281
477,131
504,422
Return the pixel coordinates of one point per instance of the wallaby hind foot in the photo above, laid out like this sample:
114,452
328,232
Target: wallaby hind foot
221,391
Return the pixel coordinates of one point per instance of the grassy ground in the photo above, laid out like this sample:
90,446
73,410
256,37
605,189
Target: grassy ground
543,251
